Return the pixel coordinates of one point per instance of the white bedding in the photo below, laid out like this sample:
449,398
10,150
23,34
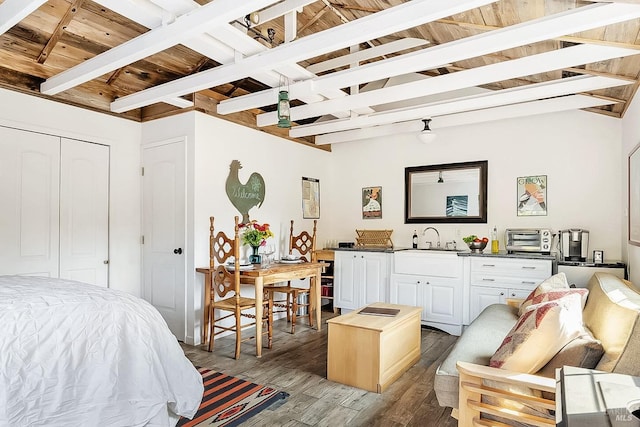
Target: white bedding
73,354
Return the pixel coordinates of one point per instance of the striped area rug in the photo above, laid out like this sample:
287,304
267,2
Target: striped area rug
229,401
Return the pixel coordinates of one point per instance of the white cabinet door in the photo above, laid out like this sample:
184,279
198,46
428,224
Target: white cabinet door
373,277
361,278
443,301
484,296
407,290
84,212
29,188
345,272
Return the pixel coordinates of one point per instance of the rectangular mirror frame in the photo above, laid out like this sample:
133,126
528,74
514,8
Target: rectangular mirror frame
481,165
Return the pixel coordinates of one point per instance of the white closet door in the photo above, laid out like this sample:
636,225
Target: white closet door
29,178
84,207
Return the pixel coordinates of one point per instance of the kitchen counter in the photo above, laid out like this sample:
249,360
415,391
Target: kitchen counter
461,252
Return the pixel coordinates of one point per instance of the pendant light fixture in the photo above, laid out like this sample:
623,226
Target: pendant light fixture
284,108
440,180
426,135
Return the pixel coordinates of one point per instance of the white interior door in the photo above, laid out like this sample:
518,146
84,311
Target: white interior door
164,205
29,183
84,212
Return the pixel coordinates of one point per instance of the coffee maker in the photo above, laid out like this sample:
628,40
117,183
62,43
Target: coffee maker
574,244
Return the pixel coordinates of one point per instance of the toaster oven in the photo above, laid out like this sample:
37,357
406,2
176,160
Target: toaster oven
528,240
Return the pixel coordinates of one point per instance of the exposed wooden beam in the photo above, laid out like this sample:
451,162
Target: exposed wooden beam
397,18
358,8
570,39
523,109
315,19
364,55
53,40
188,25
534,64
536,30
531,92
14,11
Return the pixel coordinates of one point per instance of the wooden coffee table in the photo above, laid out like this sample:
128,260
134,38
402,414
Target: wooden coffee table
371,352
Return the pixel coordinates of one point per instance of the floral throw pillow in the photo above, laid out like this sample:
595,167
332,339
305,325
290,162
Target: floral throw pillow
555,282
541,331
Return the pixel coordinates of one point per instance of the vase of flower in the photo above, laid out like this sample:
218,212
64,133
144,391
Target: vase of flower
255,257
255,235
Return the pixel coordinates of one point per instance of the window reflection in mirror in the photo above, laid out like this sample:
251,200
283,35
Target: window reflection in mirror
453,192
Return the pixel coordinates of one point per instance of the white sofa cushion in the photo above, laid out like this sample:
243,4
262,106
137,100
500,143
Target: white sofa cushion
541,331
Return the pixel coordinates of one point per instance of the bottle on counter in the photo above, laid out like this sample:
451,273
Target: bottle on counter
415,239
495,243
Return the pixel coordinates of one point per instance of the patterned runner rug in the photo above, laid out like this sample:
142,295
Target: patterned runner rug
229,401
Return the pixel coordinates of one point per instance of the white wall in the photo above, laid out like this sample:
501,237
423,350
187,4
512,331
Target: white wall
630,139
578,151
123,136
212,144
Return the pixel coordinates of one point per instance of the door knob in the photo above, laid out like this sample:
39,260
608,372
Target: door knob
177,251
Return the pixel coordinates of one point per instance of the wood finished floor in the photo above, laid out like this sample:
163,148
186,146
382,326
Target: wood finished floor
297,364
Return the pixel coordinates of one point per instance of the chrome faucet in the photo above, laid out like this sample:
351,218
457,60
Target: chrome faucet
437,233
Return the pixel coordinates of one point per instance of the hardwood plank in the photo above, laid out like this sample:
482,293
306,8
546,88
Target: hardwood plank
297,364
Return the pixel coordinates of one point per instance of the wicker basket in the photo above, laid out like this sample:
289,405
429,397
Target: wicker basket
379,238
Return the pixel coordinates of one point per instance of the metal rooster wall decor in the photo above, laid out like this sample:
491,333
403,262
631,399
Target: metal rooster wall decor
244,196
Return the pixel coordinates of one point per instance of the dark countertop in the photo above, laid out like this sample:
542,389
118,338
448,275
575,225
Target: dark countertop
608,264
462,252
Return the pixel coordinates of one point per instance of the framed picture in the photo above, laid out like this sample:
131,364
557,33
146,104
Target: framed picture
310,198
634,196
598,257
371,202
532,195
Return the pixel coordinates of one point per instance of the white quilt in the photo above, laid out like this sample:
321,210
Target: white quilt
73,354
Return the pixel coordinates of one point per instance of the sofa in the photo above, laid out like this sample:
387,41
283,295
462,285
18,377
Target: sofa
611,313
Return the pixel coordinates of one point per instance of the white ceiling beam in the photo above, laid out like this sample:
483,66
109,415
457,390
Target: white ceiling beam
178,102
281,9
14,11
290,26
186,26
525,66
524,109
364,55
514,95
397,18
246,45
569,22
216,44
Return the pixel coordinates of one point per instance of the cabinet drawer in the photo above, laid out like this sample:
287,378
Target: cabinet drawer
492,280
519,268
427,264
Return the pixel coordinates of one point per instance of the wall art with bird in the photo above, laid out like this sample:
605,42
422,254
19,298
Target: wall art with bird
244,196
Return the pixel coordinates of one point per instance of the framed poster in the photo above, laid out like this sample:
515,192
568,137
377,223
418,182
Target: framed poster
634,196
532,195
371,202
310,198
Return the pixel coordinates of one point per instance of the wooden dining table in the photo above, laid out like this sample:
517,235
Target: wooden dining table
259,277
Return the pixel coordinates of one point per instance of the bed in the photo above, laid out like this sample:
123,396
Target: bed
77,354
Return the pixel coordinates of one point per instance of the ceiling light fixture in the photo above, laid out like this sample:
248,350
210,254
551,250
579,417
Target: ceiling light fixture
284,108
426,135
440,180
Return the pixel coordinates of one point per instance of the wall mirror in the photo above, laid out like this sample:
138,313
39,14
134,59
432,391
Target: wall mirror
447,193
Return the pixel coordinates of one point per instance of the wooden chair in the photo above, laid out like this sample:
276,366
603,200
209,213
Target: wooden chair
226,290
305,246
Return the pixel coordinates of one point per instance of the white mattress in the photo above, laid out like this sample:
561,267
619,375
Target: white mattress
81,355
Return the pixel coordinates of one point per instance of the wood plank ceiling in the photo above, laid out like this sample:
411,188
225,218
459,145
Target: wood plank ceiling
353,68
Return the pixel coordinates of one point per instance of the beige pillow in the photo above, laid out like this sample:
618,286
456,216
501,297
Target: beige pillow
541,331
555,282
584,352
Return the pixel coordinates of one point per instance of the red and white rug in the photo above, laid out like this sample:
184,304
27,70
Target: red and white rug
229,401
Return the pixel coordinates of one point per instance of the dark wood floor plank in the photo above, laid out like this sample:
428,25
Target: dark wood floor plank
297,364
